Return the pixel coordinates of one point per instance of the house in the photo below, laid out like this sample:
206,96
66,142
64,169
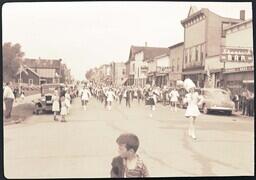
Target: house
203,38
27,76
49,70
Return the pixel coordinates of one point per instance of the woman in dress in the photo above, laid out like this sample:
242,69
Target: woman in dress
55,104
193,100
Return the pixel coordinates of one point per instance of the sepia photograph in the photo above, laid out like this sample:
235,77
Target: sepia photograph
119,89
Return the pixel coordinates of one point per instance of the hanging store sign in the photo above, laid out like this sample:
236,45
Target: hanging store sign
160,69
236,54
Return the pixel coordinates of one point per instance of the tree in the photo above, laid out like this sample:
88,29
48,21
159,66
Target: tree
12,58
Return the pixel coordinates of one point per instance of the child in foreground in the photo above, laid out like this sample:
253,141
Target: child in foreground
128,163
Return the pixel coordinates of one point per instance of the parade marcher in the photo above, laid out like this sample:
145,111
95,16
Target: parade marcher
55,104
128,97
15,92
139,94
120,95
8,97
110,98
193,99
63,110
174,99
151,99
85,94
128,164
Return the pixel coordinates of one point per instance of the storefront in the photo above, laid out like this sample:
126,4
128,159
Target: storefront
237,78
161,79
197,76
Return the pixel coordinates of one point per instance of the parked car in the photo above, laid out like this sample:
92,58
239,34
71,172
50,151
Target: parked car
44,104
215,99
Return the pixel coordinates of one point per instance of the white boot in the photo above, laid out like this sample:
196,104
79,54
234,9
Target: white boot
85,108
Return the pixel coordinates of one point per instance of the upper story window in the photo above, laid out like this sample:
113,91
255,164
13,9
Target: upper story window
196,54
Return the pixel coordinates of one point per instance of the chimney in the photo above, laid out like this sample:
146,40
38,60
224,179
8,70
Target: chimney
242,15
146,44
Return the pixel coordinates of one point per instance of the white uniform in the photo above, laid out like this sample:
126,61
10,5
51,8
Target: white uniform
193,100
110,96
174,96
85,94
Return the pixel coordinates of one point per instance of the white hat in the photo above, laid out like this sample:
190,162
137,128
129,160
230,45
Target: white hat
188,84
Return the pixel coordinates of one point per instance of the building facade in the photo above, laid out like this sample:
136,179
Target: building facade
48,70
163,65
203,38
176,60
118,73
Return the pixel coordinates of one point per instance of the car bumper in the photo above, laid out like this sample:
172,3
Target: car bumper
221,108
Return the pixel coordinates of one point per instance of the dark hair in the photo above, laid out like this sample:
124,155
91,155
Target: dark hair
131,141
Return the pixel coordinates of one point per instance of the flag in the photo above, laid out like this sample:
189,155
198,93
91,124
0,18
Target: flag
208,73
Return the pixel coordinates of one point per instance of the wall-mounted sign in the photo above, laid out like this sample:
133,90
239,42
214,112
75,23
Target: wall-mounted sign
144,69
160,69
241,69
236,54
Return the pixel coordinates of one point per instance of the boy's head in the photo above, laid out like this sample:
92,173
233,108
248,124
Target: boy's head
128,144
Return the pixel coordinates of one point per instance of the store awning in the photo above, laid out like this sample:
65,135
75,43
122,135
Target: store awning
248,81
194,72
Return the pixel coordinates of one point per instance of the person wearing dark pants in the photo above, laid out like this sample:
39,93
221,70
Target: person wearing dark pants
8,99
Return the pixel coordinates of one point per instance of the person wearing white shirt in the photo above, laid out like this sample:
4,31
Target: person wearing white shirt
85,94
110,98
8,99
174,98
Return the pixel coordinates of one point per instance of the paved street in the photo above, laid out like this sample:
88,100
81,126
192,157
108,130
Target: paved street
85,145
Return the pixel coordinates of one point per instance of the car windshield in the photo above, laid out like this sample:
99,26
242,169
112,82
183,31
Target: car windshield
217,94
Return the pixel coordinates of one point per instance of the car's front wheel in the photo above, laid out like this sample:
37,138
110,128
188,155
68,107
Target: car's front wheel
228,113
205,109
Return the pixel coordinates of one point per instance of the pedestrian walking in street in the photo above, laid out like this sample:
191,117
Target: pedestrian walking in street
8,97
139,94
193,99
110,98
68,100
174,99
63,110
55,104
85,94
128,164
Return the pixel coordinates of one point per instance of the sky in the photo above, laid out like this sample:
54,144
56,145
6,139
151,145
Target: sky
88,34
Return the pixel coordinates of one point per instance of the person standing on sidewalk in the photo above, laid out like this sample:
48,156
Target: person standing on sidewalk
8,99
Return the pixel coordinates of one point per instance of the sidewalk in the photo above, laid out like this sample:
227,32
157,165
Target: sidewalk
22,109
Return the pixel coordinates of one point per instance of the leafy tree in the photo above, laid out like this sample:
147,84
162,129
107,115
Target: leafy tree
12,57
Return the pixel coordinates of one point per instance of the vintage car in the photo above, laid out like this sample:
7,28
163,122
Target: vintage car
215,99
44,104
